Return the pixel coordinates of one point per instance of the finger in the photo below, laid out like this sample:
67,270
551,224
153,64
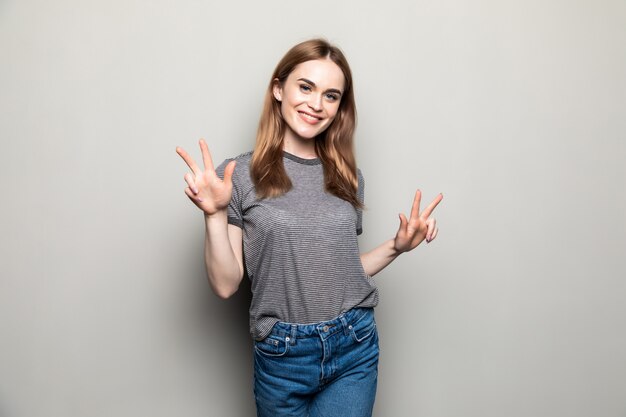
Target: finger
206,155
415,210
428,210
192,196
430,228
403,222
188,160
191,183
228,171
434,234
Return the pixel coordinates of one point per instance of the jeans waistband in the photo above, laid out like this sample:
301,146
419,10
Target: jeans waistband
323,329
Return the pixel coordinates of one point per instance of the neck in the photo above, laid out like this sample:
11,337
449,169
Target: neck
300,147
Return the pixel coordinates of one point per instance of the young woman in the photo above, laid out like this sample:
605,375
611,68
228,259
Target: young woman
288,214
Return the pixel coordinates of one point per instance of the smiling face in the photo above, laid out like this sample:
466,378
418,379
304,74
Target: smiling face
310,98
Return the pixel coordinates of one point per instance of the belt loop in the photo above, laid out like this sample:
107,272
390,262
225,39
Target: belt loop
344,323
294,328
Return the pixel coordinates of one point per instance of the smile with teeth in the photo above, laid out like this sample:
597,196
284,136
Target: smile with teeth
309,118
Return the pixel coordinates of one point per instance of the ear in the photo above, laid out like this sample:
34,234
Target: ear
277,90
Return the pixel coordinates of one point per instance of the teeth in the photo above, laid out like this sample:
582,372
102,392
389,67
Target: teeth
309,117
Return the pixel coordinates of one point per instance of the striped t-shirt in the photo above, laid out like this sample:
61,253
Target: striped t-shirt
300,249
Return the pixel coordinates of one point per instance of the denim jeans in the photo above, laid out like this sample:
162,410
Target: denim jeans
327,369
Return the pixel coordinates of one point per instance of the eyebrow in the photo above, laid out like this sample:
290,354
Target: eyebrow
330,90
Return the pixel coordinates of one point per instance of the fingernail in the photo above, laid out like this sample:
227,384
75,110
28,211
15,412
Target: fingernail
199,199
195,191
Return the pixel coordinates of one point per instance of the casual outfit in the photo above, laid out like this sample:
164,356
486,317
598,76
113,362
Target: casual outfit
311,316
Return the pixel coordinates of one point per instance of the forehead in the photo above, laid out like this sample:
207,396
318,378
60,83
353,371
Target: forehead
323,72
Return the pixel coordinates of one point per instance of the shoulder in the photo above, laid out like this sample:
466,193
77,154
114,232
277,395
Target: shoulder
360,191
242,167
243,158
360,178
246,156
242,182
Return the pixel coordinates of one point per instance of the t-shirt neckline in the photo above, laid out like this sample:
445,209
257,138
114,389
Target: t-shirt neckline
303,161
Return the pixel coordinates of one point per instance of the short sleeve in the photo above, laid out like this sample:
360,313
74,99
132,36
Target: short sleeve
235,211
361,196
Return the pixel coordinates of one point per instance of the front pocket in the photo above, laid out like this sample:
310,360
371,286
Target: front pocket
272,346
362,330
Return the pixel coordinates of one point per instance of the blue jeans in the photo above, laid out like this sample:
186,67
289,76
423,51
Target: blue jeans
327,369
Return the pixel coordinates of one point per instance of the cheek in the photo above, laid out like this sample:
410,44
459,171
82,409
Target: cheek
290,101
331,120
292,96
284,108
332,112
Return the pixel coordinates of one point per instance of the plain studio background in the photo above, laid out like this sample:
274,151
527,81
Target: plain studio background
514,109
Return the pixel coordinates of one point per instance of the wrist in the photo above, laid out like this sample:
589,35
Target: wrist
395,251
219,216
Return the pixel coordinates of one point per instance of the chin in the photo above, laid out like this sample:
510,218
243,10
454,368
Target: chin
309,135
306,132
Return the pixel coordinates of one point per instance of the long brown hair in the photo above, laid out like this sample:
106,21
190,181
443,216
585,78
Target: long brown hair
334,146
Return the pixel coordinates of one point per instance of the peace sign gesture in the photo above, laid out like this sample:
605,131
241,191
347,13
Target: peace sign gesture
419,226
204,188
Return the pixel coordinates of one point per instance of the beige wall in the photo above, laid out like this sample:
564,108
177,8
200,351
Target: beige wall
515,110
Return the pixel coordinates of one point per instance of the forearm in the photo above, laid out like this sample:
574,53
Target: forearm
224,270
378,258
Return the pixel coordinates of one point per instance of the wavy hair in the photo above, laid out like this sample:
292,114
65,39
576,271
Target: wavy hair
334,146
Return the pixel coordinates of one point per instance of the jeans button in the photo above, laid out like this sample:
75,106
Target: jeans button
325,328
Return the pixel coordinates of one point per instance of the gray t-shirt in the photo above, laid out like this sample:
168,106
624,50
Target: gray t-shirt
300,249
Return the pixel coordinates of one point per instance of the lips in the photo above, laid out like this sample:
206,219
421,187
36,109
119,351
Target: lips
309,118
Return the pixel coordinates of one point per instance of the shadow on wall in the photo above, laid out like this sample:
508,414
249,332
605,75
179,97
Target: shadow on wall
218,330
227,337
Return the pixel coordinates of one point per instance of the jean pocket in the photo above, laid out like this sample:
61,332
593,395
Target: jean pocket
363,329
272,346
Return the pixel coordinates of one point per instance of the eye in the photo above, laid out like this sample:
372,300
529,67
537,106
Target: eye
304,87
332,97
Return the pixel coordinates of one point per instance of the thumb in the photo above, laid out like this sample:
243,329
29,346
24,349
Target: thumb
228,171
403,221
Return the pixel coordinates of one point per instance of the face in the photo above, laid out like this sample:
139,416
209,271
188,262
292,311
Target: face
310,97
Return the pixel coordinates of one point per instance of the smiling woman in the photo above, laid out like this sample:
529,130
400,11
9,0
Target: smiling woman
309,111
308,107
293,208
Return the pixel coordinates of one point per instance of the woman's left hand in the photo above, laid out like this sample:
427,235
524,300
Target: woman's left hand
420,226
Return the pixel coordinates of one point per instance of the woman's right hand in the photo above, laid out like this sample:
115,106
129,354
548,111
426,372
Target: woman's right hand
204,188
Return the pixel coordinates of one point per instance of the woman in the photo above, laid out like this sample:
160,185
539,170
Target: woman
293,207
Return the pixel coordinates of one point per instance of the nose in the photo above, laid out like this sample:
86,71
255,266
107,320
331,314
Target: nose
315,102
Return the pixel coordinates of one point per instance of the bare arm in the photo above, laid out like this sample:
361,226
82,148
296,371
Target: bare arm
411,233
378,258
223,242
223,254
